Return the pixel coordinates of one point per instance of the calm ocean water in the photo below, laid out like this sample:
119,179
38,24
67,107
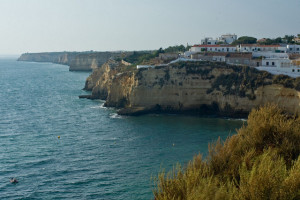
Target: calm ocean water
99,155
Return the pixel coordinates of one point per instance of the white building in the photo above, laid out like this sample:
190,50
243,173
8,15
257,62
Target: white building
276,62
293,48
269,54
209,41
213,48
258,47
227,38
280,66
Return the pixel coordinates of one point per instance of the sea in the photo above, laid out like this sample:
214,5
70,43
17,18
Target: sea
61,147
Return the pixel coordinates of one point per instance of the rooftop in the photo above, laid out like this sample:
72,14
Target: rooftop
205,46
260,45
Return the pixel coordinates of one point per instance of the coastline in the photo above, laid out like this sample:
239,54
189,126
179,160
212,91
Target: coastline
171,89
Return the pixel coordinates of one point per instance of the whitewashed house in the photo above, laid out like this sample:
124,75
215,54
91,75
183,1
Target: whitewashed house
213,48
209,41
293,48
227,38
276,62
258,47
280,66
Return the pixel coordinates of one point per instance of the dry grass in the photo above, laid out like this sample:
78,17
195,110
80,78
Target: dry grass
260,162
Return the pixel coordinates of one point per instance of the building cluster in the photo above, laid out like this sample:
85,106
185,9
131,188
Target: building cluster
276,59
283,58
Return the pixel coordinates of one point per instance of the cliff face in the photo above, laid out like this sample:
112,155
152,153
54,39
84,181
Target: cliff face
201,87
91,61
63,58
78,61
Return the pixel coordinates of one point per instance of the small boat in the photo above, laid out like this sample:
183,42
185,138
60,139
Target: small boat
13,180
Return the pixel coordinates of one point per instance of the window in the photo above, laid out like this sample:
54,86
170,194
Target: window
298,70
293,70
267,63
257,64
273,63
297,49
291,49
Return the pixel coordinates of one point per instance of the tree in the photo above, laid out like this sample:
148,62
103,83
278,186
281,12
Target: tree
278,40
289,38
175,49
245,40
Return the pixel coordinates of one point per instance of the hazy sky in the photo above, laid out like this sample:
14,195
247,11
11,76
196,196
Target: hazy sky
80,25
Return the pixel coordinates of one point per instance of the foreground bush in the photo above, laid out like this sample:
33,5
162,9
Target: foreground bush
260,162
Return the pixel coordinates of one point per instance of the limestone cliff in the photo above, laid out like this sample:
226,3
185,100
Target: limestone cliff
78,61
197,87
91,61
53,57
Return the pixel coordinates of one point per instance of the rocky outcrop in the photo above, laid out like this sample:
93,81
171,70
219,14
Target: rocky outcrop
191,87
78,61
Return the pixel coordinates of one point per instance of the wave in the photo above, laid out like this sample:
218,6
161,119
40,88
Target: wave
116,116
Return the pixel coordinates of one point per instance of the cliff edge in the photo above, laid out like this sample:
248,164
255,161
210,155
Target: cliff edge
192,87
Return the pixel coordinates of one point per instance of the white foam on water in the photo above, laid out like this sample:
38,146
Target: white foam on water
101,106
116,116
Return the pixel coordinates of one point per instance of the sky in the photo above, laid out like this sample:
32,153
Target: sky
109,25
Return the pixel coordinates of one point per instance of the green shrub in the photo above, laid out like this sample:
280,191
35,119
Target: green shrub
260,162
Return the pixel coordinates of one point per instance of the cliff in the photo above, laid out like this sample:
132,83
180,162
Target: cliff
192,87
63,58
77,61
91,61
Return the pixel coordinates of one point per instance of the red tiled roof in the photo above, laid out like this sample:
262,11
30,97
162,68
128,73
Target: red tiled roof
205,45
259,45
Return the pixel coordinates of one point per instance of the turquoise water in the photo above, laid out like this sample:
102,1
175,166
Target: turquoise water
99,155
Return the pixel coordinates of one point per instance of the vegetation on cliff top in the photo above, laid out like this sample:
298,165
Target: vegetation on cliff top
260,162
241,81
140,57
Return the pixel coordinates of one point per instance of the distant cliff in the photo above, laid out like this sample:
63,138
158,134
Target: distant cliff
53,57
192,87
91,61
78,61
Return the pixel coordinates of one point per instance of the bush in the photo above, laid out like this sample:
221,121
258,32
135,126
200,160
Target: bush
260,162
